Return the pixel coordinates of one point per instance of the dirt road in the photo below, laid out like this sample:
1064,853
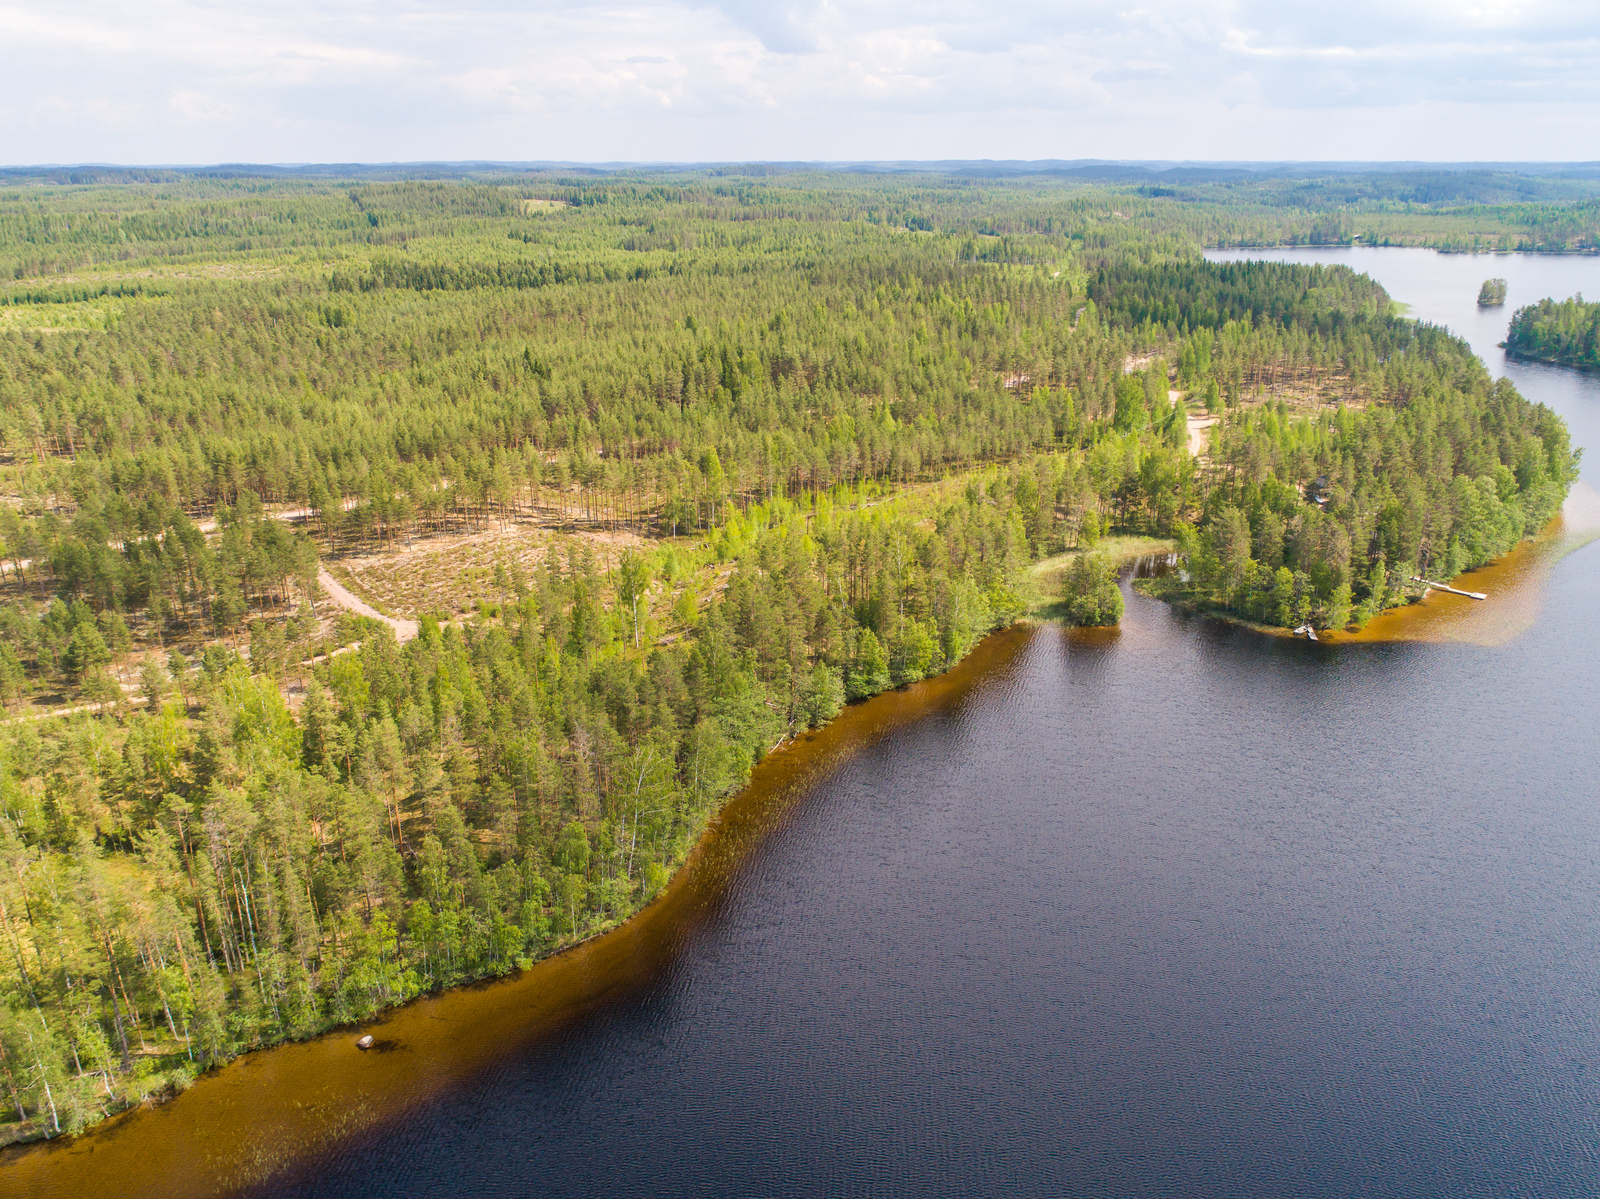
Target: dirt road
1200,433
404,630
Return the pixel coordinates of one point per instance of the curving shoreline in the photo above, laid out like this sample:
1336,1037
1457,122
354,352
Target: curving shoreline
1516,355
272,1111
1514,582
308,1094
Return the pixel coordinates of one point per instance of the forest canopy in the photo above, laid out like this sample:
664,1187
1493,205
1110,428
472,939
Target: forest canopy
1561,331
643,475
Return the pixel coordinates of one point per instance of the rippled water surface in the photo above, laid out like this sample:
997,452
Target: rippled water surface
1177,910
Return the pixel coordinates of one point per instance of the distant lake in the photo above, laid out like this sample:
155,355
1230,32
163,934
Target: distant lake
1443,289
1179,910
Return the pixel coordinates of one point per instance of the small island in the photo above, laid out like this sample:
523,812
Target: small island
1492,294
1564,332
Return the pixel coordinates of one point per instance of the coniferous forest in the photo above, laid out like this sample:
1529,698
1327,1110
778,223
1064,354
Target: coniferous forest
638,475
1561,331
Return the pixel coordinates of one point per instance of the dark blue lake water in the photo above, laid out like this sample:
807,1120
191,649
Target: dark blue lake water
1187,912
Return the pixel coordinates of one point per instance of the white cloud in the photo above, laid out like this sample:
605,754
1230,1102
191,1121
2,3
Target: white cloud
195,106
293,80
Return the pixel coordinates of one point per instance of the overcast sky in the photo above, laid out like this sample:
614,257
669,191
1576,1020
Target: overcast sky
187,81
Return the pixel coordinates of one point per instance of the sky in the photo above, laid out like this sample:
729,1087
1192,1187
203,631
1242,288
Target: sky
189,81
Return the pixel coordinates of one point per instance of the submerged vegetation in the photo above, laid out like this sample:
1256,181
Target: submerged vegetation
767,443
1566,332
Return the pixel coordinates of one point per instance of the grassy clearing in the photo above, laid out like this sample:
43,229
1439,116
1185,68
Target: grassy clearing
483,575
465,575
461,573
1047,572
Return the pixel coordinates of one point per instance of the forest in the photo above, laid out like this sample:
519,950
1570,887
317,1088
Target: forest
1566,332
764,444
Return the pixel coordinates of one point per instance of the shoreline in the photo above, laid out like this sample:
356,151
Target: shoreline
1515,355
1514,582
1329,636
269,1115
1126,549
780,759
1367,245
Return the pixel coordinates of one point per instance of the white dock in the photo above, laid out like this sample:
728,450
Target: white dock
1477,595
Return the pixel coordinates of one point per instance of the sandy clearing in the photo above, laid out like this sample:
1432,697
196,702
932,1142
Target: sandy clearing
404,630
1200,433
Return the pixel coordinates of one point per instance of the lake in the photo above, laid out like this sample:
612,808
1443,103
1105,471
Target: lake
1174,910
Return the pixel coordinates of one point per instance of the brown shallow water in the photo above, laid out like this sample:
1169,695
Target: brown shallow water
268,1111
1515,585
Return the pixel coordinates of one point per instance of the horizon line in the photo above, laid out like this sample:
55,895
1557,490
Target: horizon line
829,164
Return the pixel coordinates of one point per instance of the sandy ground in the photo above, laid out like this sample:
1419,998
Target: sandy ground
404,630
1200,433
24,717
453,573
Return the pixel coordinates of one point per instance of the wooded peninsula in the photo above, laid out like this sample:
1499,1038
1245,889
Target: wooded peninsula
636,475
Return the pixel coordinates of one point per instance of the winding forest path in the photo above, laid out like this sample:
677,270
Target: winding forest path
404,630
1200,433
